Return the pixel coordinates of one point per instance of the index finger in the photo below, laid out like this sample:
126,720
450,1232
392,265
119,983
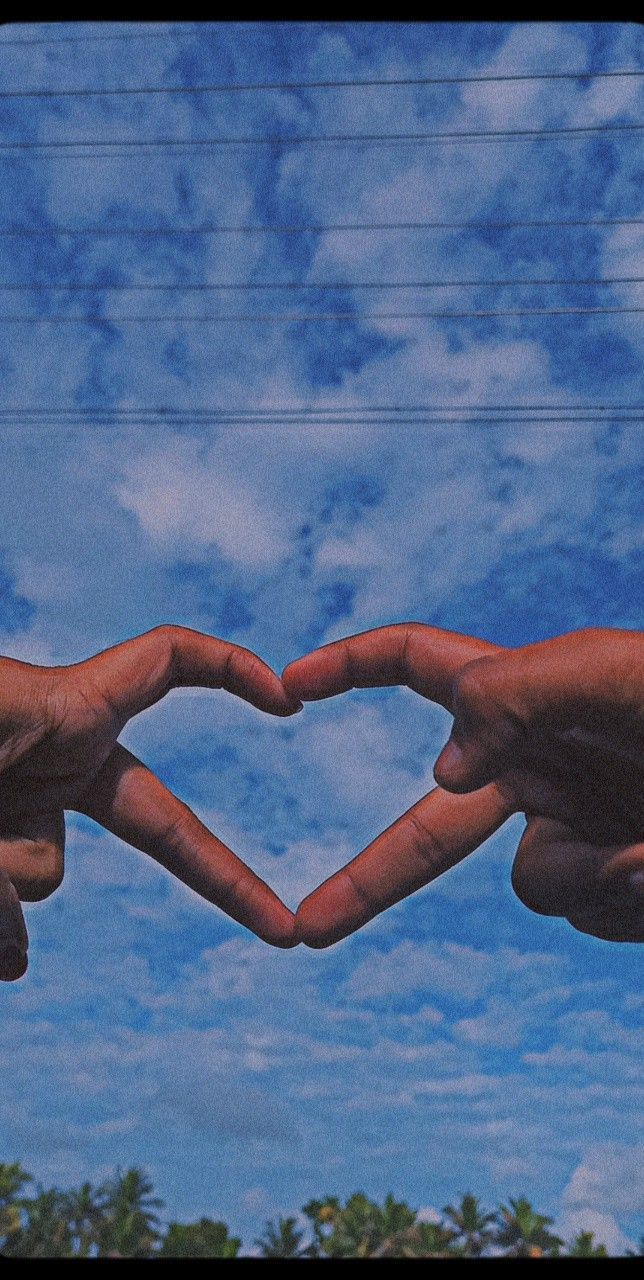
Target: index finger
129,800
436,833
425,659
134,675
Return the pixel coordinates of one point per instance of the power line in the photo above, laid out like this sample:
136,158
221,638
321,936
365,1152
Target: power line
336,422
297,229
287,86
327,415
305,409
295,318
316,139
254,286
313,419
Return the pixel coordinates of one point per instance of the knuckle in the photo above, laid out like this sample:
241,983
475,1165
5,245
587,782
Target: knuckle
427,844
472,688
591,634
173,831
241,666
165,630
167,636
167,643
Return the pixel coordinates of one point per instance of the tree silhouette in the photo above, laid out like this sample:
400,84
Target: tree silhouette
119,1220
322,1215
471,1226
45,1231
129,1229
523,1232
86,1213
203,1239
583,1246
13,1178
281,1239
361,1227
422,1240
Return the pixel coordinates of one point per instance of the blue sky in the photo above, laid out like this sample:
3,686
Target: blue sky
459,1042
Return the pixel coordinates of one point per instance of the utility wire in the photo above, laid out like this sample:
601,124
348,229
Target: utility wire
316,139
300,410
327,420
230,286
328,416
253,86
295,318
336,422
298,229
331,421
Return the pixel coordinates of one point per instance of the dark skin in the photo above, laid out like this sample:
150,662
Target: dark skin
553,730
58,750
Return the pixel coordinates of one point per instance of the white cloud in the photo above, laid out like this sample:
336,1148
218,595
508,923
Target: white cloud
506,1168
452,970
609,1177
446,968
604,1227
501,1026
184,497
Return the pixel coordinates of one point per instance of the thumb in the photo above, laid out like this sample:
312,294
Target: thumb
13,933
590,679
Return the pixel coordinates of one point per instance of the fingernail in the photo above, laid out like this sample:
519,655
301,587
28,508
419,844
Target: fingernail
636,882
13,963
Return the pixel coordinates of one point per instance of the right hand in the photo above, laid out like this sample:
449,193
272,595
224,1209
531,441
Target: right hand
554,730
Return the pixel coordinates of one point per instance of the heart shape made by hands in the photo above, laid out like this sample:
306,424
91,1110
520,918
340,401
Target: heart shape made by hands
59,749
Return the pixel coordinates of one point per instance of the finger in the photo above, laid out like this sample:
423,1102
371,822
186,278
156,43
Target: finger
586,679
139,672
557,873
13,934
426,659
129,800
34,856
624,925
430,838
554,871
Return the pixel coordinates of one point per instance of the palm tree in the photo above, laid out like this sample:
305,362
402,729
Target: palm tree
583,1246
471,1225
203,1239
523,1232
281,1239
13,1178
86,1211
422,1240
45,1232
129,1228
360,1228
322,1215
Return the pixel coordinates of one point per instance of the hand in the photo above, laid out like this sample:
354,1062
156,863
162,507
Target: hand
554,730
58,750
